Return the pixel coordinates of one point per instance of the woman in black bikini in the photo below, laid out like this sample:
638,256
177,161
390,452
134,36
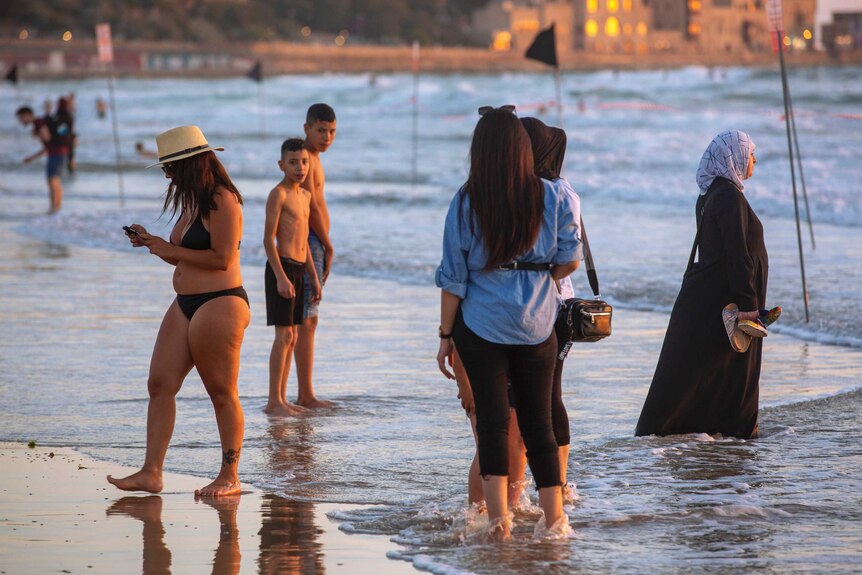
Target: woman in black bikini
204,326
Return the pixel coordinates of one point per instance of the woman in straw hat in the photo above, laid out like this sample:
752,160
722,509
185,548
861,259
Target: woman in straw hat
204,326
704,383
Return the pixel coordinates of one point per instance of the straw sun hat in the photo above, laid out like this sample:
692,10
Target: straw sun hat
179,143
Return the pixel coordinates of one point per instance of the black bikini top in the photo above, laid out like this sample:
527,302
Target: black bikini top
197,237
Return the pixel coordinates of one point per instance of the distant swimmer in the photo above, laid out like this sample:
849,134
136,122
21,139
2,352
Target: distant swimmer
144,152
204,326
285,240
53,135
101,108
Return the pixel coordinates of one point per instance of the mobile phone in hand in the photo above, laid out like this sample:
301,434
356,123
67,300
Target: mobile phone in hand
130,231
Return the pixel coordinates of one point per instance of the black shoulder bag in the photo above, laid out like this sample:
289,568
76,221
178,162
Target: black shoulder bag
584,319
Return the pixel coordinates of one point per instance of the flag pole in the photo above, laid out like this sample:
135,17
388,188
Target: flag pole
786,91
801,173
260,114
415,139
544,49
559,82
115,129
105,50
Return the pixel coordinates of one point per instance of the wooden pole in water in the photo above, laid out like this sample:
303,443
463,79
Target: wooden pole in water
779,34
415,159
801,173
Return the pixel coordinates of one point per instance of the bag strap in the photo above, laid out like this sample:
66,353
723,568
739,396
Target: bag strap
592,276
697,235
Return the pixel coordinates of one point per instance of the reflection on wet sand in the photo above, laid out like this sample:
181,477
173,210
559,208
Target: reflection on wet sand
148,510
289,536
157,555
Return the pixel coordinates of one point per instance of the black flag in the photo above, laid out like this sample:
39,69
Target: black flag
544,47
12,74
256,72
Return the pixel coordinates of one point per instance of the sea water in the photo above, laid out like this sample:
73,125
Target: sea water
79,310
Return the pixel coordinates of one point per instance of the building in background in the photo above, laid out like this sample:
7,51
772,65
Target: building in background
612,26
733,27
844,33
512,25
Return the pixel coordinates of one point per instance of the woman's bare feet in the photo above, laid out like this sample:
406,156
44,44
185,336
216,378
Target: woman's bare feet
140,481
500,529
315,403
221,487
285,409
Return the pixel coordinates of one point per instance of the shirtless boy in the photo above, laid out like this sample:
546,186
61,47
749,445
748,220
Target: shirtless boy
319,134
285,239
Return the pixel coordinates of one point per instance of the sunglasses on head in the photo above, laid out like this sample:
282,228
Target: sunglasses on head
504,108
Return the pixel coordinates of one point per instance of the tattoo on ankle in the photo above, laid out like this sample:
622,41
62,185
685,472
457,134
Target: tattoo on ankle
230,456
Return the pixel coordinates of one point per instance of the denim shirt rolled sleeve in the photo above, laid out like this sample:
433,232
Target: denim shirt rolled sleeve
452,274
569,245
509,306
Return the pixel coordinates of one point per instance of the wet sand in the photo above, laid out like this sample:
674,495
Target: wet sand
59,515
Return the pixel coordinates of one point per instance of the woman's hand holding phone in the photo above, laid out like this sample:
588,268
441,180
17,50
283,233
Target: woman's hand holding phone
134,233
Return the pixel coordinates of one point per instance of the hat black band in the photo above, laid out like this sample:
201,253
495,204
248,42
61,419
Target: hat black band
181,152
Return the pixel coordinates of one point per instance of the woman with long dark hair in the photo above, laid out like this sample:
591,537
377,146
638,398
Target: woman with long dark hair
508,236
204,326
549,152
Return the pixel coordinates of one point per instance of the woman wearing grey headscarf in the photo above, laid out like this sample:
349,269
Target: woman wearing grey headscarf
701,384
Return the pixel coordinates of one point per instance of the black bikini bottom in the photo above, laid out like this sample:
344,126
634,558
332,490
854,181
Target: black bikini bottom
189,304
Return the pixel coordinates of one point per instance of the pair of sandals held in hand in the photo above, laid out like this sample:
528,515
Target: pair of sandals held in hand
740,332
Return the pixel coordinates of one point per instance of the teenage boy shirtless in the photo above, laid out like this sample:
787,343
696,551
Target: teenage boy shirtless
319,134
285,239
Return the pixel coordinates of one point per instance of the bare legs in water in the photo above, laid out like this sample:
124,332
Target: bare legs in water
210,342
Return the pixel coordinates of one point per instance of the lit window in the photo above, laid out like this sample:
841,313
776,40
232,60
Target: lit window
591,28
502,41
612,27
592,6
642,29
694,5
627,5
613,5
627,29
693,29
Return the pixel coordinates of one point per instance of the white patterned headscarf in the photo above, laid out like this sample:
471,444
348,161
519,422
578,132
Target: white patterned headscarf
726,156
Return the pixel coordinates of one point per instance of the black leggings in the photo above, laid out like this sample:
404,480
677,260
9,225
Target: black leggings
558,411
530,369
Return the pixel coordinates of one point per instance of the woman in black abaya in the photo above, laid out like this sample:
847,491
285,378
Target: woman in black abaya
701,385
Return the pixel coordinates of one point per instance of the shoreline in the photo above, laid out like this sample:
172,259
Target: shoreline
60,515
221,60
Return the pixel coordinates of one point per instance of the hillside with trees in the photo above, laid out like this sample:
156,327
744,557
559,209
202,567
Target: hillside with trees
441,22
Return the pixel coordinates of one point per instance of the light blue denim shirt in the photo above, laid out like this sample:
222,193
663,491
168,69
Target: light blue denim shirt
510,306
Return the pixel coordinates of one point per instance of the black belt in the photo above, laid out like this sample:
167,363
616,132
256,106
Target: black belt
526,266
